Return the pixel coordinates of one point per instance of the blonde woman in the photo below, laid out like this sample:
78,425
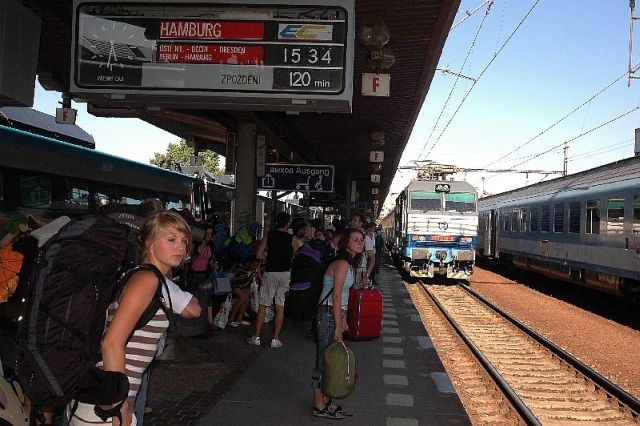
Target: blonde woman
165,239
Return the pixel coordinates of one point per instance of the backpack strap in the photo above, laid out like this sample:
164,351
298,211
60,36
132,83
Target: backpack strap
326,297
157,302
331,291
105,414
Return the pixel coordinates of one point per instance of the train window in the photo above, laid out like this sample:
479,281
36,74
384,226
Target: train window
128,195
175,204
534,219
77,196
460,202
105,195
422,200
615,216
545,224
35,191
506,221
574,218
515,220
593,217
199,201
523,220
636,213
558,217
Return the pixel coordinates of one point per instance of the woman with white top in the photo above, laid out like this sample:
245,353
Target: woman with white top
165,239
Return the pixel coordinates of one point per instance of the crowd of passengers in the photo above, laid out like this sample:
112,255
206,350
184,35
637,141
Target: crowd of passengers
288,271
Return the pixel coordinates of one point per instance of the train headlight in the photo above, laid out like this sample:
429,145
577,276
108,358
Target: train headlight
466,239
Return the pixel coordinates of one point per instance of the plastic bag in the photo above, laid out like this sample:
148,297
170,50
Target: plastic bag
222,317
254,297
221,282
269,314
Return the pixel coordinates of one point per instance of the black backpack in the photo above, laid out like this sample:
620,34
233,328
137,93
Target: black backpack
76,276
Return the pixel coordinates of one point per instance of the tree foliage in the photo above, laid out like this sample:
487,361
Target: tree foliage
181,153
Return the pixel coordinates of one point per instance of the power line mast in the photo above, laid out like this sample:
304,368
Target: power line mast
631,71
566,159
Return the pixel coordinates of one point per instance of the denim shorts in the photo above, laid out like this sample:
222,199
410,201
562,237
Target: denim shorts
326,333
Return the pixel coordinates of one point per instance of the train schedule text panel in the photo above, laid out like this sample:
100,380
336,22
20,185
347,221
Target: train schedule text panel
192,53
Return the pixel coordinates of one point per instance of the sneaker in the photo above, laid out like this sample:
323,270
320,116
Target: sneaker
254,340
245,323
276,343
233,324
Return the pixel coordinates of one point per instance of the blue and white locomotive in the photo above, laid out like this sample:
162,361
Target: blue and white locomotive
582,228
435,224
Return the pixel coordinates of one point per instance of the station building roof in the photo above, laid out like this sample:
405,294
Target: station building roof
418,30
29,119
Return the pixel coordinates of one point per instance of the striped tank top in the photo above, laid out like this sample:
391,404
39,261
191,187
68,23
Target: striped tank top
141,348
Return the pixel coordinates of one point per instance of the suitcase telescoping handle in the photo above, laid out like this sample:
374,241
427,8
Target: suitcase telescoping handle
362,272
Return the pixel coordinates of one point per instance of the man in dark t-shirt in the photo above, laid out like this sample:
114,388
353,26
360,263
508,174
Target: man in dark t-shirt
279,245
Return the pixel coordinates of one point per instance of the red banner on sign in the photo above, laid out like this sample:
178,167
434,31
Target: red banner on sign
211,30
210,54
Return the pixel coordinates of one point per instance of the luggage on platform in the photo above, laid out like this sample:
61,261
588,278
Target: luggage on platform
339,373
364,314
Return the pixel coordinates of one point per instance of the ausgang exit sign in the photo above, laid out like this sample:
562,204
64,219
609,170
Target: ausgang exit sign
375,84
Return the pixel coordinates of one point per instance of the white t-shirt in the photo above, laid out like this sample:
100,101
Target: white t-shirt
179,298
370,243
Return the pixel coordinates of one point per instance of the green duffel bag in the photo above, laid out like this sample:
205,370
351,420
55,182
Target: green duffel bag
339,375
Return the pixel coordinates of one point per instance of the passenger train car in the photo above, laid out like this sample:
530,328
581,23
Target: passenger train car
582,228
47,178
435,228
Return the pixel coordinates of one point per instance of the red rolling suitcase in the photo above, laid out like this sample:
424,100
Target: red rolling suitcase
364,314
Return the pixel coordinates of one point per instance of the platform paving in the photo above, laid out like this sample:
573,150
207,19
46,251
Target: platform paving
401,379
219,379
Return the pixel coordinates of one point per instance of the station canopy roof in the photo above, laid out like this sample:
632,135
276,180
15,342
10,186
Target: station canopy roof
417,29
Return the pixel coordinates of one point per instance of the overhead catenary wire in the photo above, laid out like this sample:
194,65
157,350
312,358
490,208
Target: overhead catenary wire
478,78
458,75
470,14
588,101
591,153
606,123
600,153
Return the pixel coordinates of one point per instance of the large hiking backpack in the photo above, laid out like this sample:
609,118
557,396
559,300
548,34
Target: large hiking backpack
306,266
77,274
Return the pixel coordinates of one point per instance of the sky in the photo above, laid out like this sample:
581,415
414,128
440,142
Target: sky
563,54
125,137
534,61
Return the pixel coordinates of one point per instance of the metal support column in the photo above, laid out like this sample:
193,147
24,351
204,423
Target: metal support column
274,200
245,203
347,211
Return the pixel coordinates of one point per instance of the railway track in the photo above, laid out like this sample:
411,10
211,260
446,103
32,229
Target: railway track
542,383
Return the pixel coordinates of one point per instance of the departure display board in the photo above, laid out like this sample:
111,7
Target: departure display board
203,49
